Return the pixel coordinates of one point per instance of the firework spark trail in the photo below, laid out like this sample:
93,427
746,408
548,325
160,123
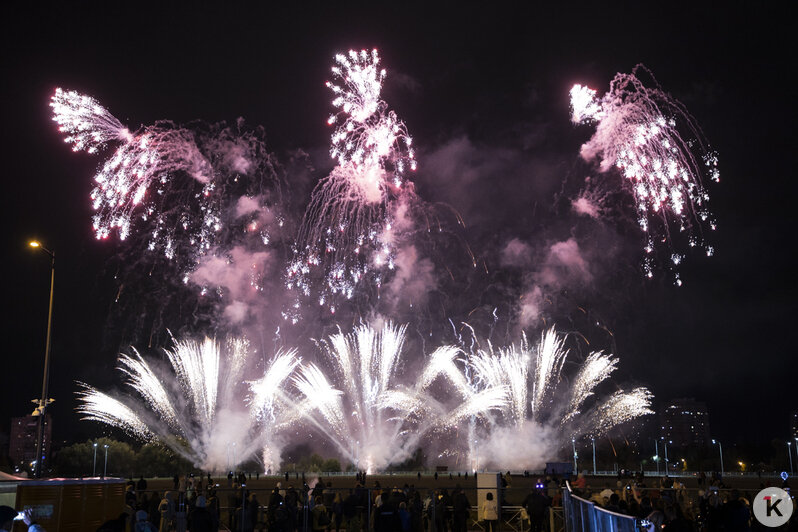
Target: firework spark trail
596,368
135,177
87,124
549,358
527,386
620,407
368,135
144,160
267,392
173,185
348,230
98,406
638,133
371,420
509,368
208,415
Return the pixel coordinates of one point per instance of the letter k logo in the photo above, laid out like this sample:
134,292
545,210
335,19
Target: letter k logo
772,507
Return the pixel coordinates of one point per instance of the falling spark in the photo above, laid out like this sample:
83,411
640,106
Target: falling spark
347,237
639,133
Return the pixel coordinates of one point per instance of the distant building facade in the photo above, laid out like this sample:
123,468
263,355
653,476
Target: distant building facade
22,439
685,423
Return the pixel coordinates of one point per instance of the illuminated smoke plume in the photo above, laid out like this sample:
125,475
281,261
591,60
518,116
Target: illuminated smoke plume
347,239
654,144
197,408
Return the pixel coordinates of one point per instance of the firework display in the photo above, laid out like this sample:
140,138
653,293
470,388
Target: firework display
196,408
373,421
348,236
536,393
655,145
209,199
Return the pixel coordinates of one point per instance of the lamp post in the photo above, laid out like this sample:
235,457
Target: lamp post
576,467
789,453
665,442
656,454
44,400
94,467
105,467
720,449
593,440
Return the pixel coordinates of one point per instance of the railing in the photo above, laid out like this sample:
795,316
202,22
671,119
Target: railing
584,516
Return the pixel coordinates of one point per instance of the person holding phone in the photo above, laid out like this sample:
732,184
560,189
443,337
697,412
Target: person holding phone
8,515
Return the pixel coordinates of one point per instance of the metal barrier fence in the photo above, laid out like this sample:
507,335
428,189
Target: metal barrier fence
584,516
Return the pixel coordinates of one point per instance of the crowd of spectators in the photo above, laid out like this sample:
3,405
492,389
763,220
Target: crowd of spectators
666,504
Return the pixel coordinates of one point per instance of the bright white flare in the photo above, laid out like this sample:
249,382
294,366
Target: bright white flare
207,422
638,133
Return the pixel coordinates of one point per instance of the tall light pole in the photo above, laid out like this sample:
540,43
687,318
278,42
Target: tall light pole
593,440
789,453
44,400
94,467
105,467
665,442
656,454
576,467
720,449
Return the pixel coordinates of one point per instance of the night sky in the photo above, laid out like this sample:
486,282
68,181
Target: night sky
484,92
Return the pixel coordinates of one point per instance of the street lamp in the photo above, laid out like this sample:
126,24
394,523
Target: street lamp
594,455
576,467
105,467
656,454
720,449
789,453
94,467
44,400
665,442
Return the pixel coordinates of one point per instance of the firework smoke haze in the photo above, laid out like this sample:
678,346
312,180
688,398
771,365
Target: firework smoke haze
638,134
198,409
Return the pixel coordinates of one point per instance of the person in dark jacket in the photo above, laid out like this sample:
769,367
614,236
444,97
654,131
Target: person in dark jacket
200,519
536,504
461,511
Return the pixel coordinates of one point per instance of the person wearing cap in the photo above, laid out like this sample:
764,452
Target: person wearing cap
200,519
8,515
142,524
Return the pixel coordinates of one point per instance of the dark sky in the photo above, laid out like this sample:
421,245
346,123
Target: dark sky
484,91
